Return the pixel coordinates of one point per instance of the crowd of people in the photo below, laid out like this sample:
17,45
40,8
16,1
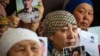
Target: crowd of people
19,36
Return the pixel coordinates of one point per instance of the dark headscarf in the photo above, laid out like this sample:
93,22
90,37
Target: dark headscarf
72,4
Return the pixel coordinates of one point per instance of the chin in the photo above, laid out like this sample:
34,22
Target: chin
84,29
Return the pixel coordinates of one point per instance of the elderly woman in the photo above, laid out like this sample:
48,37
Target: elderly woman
20,42
61,29
83,12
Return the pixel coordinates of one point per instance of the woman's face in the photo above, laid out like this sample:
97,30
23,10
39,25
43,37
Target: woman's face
76,53
84,15
25,48
67,35
41,8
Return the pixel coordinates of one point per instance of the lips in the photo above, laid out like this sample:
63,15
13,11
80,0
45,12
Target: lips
84,23
71,43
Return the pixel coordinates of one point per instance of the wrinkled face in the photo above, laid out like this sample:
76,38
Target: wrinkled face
84,15
41,8
65,37
27,3
76,53
25,48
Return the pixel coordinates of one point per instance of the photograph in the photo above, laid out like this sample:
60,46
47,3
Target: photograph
27,10
74,51
90,42
44,45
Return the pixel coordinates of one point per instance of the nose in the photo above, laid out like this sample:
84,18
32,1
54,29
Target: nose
29,53
70,34
86,16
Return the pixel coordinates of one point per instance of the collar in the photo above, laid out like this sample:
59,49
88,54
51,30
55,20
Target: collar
57,53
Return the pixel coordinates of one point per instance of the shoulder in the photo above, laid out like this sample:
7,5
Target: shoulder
20,11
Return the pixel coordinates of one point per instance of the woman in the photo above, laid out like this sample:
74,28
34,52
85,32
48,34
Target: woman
83,12
41,11
20,42
60,27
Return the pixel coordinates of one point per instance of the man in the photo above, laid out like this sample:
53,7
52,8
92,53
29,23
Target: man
29,13
31,17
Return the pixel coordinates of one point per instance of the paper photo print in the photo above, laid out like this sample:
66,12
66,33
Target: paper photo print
90,42
43,41
74,51
27,10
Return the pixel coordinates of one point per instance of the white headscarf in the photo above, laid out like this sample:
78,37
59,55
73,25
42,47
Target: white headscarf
13,36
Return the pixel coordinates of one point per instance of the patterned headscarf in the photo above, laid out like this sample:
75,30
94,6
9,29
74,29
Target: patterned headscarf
56,20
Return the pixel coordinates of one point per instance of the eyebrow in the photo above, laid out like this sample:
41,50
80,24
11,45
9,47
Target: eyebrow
34,43
74,23
86,9
20,45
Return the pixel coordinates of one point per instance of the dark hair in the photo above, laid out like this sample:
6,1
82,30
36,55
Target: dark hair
76,49
42,41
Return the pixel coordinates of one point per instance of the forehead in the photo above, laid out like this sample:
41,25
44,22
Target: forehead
85,5
27,43
70,25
